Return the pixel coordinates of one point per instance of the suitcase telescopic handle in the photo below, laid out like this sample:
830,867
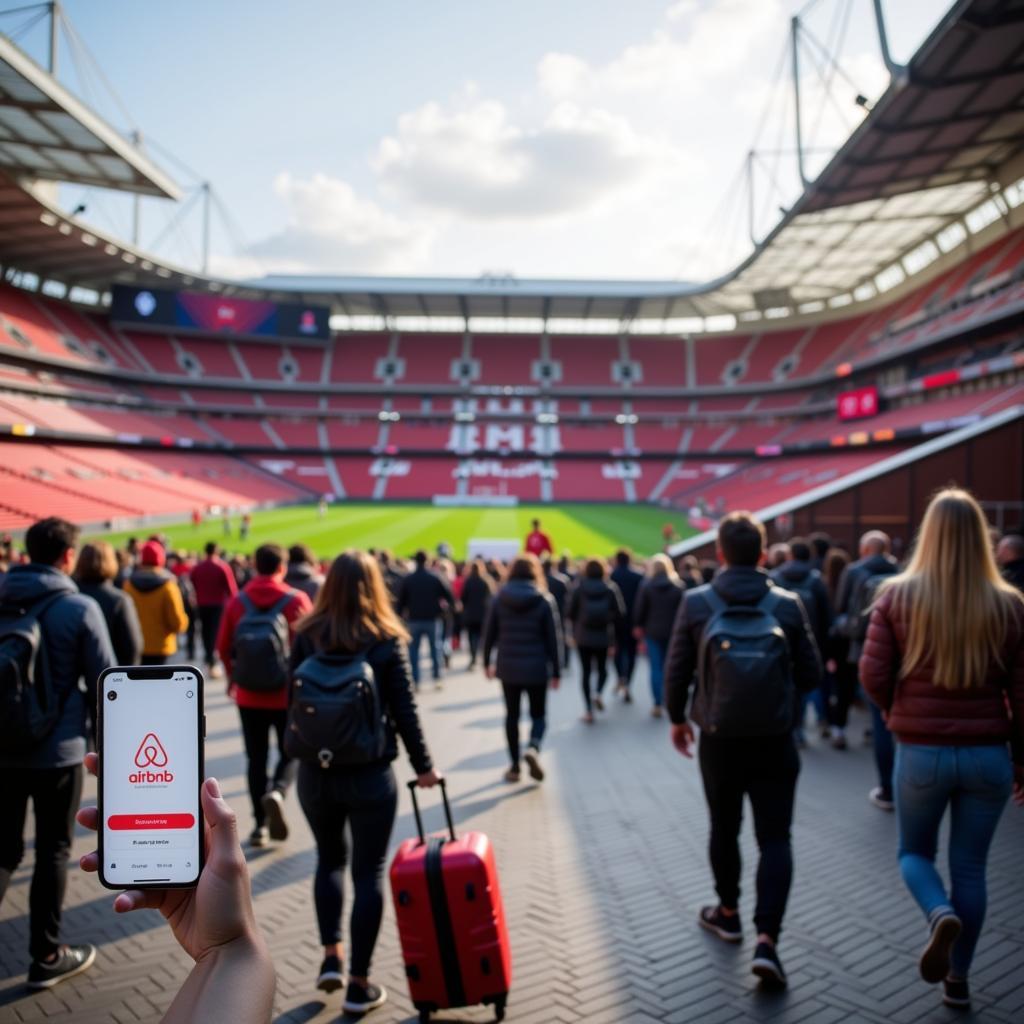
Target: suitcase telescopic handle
447,810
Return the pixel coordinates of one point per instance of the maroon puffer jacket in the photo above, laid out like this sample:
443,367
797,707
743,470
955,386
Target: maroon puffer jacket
921,712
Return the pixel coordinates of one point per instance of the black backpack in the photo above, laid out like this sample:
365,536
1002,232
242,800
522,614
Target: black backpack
261,646
863,597
335,716
29,705
744,674
597,613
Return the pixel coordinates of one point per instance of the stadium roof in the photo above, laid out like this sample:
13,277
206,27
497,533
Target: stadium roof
945,137
46,133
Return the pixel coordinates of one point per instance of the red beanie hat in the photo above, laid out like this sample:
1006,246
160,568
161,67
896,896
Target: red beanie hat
152,553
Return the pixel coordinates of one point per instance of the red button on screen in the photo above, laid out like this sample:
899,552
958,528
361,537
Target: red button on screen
144,822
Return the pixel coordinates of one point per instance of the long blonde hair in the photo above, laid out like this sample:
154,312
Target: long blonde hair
661,565
952,596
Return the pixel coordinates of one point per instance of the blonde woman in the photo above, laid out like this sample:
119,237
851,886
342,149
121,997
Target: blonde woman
944,661
653,617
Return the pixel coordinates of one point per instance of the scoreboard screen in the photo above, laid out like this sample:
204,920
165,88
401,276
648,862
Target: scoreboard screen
857,405
207,313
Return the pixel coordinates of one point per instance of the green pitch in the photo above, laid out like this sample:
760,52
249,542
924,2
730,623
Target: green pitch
579,529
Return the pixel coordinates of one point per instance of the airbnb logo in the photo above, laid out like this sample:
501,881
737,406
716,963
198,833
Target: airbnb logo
151,753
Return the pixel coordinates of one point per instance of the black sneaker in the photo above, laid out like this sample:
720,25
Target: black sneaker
532,759
273,807
330,978
767,966
726,926
363,998
956,994
934,962
259,836
883,800
71,960
599,703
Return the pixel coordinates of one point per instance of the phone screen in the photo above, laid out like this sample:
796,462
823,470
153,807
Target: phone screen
150,773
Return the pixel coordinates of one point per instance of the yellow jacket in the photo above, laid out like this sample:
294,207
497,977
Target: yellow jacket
160,607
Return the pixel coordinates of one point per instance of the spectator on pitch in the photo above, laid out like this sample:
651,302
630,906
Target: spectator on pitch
523,624
596,610
944,661
745,703
537,541
245,526
655,612
628,580
254,643
558,588
1010,556
94,573
422,599
215,585
159,605
302,571
477,591
354,618
857,590
46,766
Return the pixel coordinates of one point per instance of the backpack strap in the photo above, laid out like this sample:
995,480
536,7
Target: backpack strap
278,607
715,600
770,602
247,604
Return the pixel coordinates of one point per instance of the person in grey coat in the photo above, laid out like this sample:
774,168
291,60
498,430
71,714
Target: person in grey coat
524,625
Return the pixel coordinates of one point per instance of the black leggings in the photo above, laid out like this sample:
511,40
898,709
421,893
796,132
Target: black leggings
589,658
625,656
256,726
473,635
538,696
367,799
209,625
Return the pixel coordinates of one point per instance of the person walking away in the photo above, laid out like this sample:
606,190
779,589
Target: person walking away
393,574
353,638
656,606
524,626
1010,556
629,581
41,754
537,541
422,598
254,643
558,587
840,685
944,662
595,610
215,585
94,573
746,700
178,567
799,576
302,572
477,591
857,590
158,603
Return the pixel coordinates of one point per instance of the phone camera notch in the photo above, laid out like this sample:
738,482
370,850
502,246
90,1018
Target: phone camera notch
111,694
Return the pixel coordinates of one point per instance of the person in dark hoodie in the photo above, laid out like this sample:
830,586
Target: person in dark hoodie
302,572
1010,558
422,599
477,591
628,580
94,573
523,624
159,605
655,612
78,648
595,610
558,587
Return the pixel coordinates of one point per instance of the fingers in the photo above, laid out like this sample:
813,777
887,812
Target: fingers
139,899
89,817
90,862
223,828
92,763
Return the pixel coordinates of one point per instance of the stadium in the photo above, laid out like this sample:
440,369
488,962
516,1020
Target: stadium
868,349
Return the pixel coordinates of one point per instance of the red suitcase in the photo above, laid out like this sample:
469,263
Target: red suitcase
451,921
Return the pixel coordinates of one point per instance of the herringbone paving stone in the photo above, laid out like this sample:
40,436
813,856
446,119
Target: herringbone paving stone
603,867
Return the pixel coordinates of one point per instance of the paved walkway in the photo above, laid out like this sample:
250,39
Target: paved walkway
603,869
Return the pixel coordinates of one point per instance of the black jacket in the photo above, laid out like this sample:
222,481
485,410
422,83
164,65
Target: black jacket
853,576
738,585
591,594
476,599
656,607
1013,573
423,595
803,578
121,617
389,660
629,582
524,625
77,648
301,576
558,588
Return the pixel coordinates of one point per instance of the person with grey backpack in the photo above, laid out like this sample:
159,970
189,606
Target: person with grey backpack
254,643
749,645
351,698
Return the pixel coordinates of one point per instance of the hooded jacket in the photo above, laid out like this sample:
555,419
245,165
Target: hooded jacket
423,595
524,625
854,576
77,647
743,585
476,598
301,576
806,581
214,582
121,617
587,597
656,607
161,610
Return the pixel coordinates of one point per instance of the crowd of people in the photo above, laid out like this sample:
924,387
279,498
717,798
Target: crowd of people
743,647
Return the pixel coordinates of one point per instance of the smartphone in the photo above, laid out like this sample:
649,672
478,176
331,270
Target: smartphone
150,737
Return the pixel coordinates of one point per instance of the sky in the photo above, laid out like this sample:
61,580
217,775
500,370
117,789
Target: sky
540,138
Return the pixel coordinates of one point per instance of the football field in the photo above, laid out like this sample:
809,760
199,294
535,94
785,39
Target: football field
576,529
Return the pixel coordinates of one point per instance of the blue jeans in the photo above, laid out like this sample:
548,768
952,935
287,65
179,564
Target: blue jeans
656,662
419,628
885,751
975,783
